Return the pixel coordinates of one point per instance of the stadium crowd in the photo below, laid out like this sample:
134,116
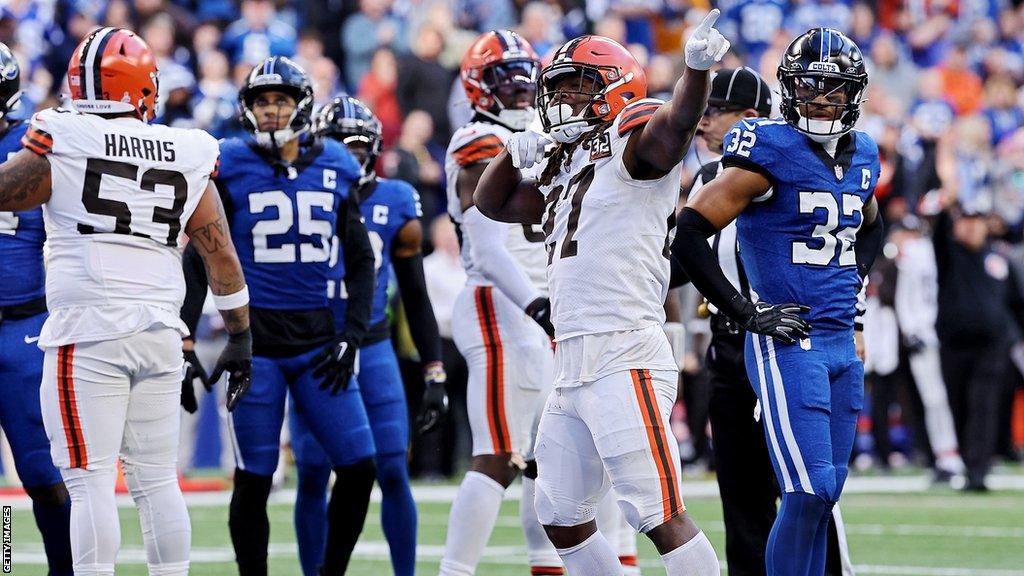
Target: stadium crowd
945,103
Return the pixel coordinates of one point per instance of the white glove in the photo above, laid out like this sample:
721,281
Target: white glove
706,45
526,148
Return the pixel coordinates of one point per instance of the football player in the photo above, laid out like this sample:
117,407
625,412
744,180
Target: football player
606,197
118,192
22,313
808,228
501,323
391,209
287,197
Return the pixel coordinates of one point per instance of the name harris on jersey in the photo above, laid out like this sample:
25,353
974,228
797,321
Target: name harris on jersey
142,148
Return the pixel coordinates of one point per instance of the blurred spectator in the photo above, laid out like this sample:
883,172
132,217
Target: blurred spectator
484,15
1001,110
324,75
540,27
378,91
823,13
895,75
661,77
206,38
752,26
961,85
423,83
611,26
176,79
216,102
456,40
257,35
863,29
419,162
308,50
366,31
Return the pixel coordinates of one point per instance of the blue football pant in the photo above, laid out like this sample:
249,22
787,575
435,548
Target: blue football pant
21,371
338,421
384,397
810,394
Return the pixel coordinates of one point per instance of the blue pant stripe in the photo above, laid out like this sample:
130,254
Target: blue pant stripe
784,422
769,417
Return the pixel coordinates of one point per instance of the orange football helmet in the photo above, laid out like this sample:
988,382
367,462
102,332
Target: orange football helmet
111,71
500,63
617,80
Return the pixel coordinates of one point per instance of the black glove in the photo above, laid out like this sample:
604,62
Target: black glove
236,360
192,369
434,408
780,321
540,311
336,364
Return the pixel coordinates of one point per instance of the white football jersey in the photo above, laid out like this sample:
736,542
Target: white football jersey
122,192
479,142
608,236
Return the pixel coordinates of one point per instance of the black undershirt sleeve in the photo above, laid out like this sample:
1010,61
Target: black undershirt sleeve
195,288
422,324
868,245
699,263
360,274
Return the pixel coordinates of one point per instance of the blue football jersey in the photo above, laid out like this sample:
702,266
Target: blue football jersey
797,244
386,206
283,219
21,239
753,25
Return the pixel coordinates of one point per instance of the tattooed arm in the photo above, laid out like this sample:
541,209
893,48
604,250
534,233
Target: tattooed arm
24,181
210,237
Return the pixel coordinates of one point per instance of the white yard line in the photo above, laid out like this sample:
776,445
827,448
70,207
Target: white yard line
506,555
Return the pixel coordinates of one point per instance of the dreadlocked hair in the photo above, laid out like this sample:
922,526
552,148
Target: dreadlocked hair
562,154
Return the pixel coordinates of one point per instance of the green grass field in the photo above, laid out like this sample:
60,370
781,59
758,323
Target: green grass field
937,533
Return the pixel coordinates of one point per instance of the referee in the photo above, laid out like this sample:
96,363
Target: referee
746,481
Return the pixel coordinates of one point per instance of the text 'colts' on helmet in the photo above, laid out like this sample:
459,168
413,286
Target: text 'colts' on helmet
822,80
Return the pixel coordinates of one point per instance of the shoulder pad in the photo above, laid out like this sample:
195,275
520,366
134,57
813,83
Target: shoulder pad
637,114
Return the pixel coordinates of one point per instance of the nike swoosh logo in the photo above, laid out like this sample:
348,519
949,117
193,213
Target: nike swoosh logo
30,340
762,308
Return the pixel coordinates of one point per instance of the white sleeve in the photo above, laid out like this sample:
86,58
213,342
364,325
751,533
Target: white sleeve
489,251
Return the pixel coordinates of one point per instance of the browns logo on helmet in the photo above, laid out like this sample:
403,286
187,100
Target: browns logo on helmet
598,71
499,74
113,71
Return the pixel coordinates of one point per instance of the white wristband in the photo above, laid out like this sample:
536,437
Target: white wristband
232,301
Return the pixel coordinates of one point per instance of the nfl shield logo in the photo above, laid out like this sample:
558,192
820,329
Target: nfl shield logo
839,172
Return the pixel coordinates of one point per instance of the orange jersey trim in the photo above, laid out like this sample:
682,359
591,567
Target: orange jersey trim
637,115
37,141
478,149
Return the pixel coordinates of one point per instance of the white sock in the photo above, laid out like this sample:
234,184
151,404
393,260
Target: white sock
474,512
166,529
95,528
592,557
695,558
539,551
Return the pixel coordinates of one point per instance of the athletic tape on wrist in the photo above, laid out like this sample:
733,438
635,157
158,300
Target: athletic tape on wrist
232,301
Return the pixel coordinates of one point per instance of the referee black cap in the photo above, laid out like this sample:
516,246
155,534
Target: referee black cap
739,89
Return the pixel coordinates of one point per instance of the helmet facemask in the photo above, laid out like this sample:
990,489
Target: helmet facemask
561,119
502,83
298,122
822,106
